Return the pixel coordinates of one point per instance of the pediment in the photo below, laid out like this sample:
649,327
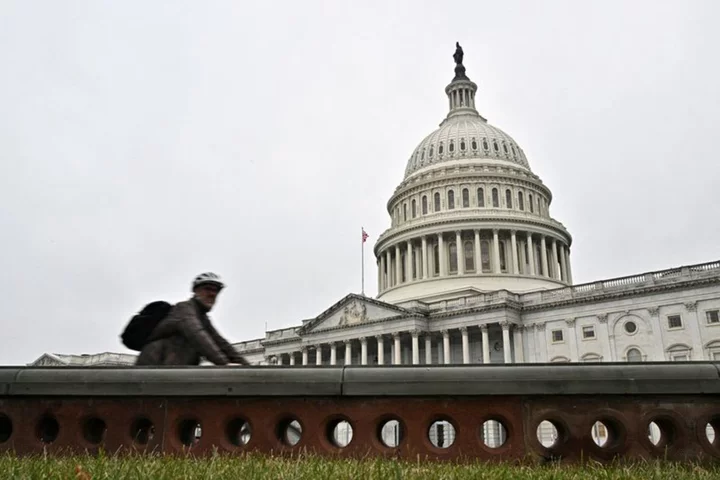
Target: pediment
351,311
48,360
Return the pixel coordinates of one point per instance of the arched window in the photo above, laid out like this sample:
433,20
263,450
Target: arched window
432,149
481,197
521,201
451,199
440,149
466,198
508,198
414,208
469,256
495,146
485,145
678,353
424,205
462,144
436,260
634,355
485,255
452,252
503,262
560,360
495,198
452,146
530,203
437,201
404,212
473,144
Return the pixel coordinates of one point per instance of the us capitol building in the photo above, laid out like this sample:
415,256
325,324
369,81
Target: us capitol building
475,270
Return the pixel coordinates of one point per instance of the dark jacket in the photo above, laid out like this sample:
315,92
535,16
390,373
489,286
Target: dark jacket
185,336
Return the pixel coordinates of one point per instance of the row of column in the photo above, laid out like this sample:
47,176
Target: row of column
395,263
415,335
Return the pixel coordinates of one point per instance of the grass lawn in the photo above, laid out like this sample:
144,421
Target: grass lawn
257,466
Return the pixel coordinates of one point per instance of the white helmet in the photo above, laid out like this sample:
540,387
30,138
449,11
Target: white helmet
208,277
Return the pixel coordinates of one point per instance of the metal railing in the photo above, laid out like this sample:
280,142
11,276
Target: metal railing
484,412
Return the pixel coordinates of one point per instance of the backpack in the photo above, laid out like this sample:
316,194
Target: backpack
140,327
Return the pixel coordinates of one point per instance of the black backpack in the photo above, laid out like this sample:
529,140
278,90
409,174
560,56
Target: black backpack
142,325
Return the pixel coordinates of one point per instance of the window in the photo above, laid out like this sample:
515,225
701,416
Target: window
474,144
538,207
712,316
481,197
452,252
560,360
432,150
634,355
679,353
451,200
588,331
436,259
422,155
532,210
404,212
466,198
521,201
495,146
591,358
437,201
440,149
503,260
403,273
485,255
557,336
674,321
469,256
462,144
414,208
485,145
508,198
505,148
424,205
452,146
630,327
495,198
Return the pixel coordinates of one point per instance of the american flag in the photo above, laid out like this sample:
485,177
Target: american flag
364,235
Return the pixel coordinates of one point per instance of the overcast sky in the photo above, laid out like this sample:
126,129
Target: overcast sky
142,143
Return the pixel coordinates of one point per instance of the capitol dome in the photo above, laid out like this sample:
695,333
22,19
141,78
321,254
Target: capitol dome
469,214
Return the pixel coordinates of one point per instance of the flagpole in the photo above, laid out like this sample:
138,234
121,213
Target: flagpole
362,259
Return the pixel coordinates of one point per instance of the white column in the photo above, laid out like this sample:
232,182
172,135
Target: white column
543,256
569,270
506,341
363,351
415,347
424,258
446,347
465,345
348,352
398,358
304,356
513,242
563,264
380,349
531,254
398,265
460,255
318,354
388,263
478,263
417,255
292,358
553,251
441,256
496,252
522,256
333,353
485,344
408,262
518,338
428,349
440,349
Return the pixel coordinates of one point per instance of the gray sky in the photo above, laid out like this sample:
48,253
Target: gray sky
144,142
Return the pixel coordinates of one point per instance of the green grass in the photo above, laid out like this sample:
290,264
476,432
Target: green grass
258,466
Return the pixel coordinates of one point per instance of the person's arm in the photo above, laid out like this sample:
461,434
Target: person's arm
226,347
192,329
